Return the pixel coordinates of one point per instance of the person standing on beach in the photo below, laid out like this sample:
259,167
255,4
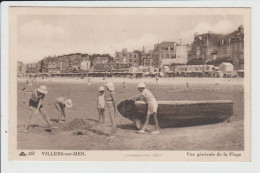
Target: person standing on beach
27,88
35,106
187,85
124,84
60,104
101,103
111,105
89,81
152,107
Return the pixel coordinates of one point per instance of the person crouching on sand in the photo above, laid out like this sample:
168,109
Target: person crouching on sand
111,105
35,106
101,103
60,104
152,107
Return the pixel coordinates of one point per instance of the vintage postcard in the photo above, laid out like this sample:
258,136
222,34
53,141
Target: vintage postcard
129,84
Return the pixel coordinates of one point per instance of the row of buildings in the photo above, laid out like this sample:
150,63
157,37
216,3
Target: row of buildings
163,54
211,46
76,62
207,46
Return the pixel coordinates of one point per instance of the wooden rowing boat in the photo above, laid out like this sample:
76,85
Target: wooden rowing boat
178,113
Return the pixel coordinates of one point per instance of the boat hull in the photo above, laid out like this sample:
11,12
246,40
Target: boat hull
178,113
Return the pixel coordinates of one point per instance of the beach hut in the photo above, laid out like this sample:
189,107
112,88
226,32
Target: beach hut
140,69
226,67
240,73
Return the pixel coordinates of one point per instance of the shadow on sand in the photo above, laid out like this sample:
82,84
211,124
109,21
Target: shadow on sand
89,119
127,126
55,120
99,132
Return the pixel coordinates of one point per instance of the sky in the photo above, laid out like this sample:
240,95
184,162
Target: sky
48,35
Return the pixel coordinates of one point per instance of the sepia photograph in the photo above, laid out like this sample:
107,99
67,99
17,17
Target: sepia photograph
131,83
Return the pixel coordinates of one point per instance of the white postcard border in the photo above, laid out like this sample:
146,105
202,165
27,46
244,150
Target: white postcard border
255,26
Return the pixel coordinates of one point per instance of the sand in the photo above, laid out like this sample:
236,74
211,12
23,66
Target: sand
83,116
167,81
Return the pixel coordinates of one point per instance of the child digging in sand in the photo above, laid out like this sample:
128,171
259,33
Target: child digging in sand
35,106
101,102
60,104
111,105
152,107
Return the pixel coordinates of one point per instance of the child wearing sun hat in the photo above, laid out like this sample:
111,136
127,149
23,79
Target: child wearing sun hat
101,103
60,104
148,97
35,105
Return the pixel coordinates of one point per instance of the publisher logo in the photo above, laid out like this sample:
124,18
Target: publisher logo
22,154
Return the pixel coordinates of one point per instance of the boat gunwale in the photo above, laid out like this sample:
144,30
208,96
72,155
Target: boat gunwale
189,102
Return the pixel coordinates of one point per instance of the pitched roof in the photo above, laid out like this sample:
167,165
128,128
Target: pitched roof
167,43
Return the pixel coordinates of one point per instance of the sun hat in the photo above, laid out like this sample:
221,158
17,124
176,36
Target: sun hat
101,88
110,86
68,103
141,85
43,89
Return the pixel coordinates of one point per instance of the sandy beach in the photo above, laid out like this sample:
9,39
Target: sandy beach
83,116
165,81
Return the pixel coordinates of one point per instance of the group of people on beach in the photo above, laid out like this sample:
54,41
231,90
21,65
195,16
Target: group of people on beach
104,101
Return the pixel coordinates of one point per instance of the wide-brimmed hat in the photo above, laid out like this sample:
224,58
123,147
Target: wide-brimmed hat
101,88
43,89
141,85
68,103
110,86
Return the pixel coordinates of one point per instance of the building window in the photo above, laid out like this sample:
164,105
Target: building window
166,48
162,48
130,60
171,48
167,56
